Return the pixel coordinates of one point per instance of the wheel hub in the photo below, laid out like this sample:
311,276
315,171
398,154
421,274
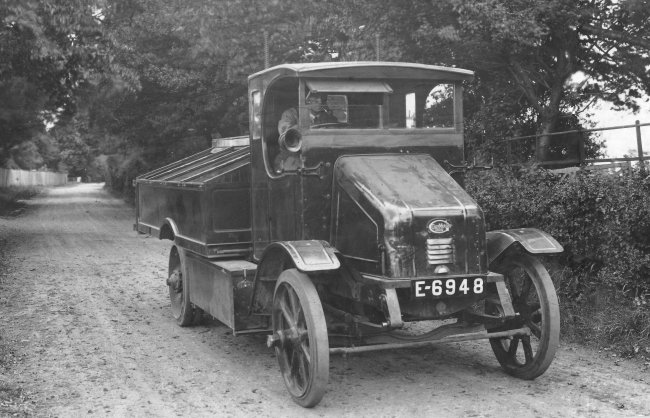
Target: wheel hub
282,338
175,282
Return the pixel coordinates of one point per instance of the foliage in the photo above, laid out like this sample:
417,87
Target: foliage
50,54
541,46
603,221
525,53
607,319
184,75
159,78
11,198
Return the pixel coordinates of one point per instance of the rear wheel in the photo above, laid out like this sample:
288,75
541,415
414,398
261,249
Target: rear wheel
535,303
302,346
179,292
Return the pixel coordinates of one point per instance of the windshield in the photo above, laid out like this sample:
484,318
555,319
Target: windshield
397,104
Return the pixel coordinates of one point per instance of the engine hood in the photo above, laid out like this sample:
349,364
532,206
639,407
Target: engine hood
408,196
401,186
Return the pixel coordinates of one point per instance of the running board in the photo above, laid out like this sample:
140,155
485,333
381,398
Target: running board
447,339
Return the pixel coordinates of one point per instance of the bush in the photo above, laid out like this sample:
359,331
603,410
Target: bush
603,222
120,171
10,198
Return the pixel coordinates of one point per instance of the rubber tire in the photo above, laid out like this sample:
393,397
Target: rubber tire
182,309
306,392
547,335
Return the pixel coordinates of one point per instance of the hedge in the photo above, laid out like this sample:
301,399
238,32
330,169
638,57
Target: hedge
601,219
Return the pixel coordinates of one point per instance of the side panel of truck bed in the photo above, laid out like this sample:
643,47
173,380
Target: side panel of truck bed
206,196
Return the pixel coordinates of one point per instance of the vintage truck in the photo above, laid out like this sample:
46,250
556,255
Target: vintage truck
349,233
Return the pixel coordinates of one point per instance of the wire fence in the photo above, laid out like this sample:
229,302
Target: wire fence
31,178
567,149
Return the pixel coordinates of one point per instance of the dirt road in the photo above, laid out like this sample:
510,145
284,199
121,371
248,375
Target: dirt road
85,329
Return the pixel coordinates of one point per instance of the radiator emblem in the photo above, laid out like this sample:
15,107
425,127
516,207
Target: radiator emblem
438,226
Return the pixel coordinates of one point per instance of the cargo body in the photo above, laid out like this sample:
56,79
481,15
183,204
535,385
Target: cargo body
204,199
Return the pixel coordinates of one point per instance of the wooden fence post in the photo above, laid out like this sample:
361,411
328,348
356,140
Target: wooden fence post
639,147
581,148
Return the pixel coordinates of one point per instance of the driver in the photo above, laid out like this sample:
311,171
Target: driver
319,113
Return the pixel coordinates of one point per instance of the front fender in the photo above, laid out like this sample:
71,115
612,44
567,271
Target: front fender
532,240
307,256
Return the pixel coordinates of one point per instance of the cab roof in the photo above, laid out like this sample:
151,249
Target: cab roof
364,69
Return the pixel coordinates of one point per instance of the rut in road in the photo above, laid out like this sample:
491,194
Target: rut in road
84,306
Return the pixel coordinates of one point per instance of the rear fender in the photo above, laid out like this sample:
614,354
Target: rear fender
168,230
532,240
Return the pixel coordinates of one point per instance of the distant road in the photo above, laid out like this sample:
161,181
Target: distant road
85,313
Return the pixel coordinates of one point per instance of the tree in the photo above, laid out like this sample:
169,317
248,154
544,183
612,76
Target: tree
542,45
525,53
182,66
183,70
50,52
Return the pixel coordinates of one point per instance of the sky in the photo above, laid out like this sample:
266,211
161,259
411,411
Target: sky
622,141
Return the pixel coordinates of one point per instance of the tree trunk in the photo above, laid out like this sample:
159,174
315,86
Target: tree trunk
543,143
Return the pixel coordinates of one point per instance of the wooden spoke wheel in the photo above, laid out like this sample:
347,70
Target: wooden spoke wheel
536,305
302,345
179,292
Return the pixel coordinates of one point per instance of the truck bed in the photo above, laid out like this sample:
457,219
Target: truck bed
206,196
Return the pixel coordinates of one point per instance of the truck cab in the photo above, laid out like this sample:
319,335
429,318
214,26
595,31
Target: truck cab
377,168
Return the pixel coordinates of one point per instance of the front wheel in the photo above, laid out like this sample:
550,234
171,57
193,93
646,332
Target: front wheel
535,303
302,345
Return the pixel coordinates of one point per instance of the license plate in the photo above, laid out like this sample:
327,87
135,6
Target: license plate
442,288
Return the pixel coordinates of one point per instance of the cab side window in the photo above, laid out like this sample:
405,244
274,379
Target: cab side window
428,106
438,109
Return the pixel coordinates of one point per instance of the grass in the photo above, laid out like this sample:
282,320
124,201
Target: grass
608,320
601,318
11,199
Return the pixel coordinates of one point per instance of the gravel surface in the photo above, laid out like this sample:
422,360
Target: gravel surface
86,330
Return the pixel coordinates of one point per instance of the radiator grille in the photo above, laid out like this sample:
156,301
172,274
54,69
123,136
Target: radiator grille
440,251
